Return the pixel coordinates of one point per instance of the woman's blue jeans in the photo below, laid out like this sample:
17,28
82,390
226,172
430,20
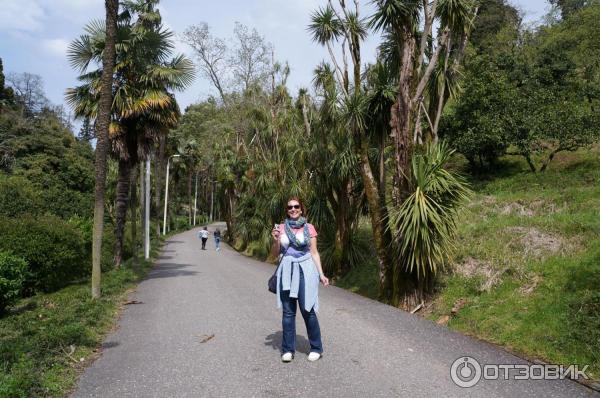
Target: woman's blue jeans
288,322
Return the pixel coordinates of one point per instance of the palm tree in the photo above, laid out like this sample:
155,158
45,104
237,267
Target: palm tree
143,106
426,221
338,189
103,120
330,25
417,57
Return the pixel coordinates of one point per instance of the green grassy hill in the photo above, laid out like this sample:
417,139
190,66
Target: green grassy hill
526,268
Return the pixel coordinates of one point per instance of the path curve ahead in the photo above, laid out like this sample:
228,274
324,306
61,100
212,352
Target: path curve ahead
371,349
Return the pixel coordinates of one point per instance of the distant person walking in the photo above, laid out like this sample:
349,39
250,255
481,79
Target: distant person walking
217,235
203,234
298,278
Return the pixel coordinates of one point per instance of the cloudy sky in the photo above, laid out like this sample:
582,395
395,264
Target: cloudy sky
34,34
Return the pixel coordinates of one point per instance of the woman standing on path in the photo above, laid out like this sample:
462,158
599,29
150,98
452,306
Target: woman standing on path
298,278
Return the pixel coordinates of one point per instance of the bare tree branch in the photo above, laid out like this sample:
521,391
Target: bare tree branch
429,16
211,52
432,64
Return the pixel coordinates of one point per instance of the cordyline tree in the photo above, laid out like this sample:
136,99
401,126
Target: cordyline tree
422,69
343,25
419,54
337,199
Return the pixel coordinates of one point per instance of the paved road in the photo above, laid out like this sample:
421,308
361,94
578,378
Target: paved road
371,349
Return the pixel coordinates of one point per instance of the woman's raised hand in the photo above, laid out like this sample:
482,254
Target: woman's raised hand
275,233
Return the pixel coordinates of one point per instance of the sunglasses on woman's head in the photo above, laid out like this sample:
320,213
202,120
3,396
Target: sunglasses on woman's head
293,207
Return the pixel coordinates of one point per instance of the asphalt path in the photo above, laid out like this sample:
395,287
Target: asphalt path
163,345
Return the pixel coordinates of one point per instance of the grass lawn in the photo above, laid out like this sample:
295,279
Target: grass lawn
526,269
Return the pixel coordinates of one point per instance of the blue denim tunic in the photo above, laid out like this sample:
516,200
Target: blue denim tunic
288,278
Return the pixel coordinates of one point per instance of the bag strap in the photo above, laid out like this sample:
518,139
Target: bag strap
281,258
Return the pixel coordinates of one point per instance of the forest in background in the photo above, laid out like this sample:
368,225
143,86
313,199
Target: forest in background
487,87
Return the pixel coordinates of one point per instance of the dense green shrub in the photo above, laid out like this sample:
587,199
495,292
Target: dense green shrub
13,272
86,227
50,164
53,248
180,223
18,196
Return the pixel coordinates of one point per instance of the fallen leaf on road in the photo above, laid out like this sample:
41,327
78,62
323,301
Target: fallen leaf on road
443,320
205,338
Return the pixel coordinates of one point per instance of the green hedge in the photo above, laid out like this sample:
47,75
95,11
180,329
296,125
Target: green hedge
18,196
13,272
54,250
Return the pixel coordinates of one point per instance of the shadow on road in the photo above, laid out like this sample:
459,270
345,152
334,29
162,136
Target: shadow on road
175,241
168,270
109,344
274,341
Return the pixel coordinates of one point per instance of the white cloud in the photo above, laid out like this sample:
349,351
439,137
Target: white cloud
20,15
57,47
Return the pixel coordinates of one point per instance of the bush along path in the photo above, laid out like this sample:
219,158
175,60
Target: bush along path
47,340
205,325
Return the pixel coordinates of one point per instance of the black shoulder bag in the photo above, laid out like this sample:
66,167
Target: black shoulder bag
273,279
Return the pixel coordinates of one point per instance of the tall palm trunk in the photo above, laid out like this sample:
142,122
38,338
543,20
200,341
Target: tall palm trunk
102,122
406,289
402,117
380,236
342,234
123,181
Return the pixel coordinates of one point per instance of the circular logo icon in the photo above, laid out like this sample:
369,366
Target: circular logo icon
465,372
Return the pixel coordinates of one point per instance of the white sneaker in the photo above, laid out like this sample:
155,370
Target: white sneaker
287,357
314,356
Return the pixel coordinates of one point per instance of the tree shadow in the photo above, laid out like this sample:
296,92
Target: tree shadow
164,257
175,241
31,305
168,270
502,168
274,341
